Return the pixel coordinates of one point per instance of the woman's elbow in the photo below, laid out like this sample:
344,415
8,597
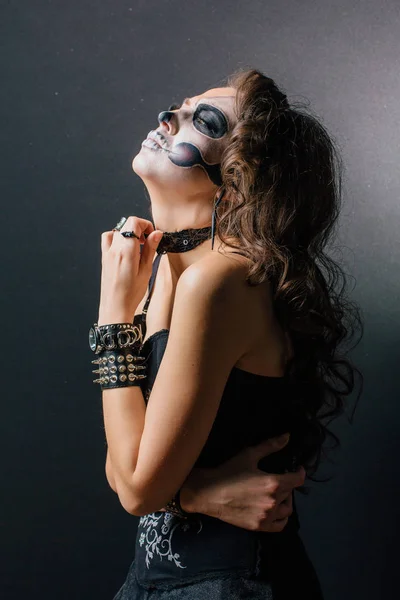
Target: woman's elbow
132,501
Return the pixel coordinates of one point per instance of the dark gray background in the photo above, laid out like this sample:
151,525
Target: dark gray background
82,83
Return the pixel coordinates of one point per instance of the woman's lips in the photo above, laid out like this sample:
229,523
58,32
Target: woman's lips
150,143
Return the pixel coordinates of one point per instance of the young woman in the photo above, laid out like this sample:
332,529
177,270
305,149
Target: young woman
239,344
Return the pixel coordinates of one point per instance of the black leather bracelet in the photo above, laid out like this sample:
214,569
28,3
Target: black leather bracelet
114,336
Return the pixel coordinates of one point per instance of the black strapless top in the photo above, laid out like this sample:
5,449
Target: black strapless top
252,408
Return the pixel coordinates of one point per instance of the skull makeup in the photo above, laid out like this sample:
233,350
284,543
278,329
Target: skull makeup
212,123
194,135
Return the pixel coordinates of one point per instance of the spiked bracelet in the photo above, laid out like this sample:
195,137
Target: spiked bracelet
120,368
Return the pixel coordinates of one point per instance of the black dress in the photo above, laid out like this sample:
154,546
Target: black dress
203,557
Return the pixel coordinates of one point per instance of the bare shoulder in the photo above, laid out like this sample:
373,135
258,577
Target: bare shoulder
253,306
220,266
210,274
224,275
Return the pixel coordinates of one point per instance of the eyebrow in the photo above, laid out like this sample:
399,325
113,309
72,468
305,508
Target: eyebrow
187,100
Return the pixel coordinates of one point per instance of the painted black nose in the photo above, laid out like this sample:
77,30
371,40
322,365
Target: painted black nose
165,116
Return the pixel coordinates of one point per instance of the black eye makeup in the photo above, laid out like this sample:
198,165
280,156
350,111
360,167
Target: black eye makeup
211,121
207,119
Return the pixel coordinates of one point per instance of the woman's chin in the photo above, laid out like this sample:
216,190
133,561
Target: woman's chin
142,168
137,163
144,165
150,171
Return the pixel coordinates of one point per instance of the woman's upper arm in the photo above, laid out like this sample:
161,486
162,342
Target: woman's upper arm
205,341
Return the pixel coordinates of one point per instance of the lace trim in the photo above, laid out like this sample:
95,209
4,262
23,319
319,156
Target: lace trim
182,241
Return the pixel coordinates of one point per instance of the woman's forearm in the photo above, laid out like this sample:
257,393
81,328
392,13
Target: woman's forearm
195,496
199,493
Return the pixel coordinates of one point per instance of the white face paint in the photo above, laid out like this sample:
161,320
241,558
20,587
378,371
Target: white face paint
194,134
199,150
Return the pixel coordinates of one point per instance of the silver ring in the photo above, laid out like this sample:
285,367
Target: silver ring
120,224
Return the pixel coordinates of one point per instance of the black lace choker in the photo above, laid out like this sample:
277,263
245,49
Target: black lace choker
182,241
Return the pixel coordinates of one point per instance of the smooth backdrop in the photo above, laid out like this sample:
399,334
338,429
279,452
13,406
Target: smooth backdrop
82,83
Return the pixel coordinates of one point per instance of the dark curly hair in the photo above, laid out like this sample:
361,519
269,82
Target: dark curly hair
282,177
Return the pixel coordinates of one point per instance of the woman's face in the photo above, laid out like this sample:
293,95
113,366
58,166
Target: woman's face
184,151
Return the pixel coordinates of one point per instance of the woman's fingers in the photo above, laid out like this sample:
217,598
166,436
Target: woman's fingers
127,247
106,241
277,526
284,508
288,481
278,517
149,248
138,225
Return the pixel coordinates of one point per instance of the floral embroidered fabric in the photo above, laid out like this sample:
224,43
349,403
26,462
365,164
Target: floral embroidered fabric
157,530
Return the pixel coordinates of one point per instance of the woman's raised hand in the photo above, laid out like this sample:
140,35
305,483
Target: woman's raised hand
126,271
239,493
